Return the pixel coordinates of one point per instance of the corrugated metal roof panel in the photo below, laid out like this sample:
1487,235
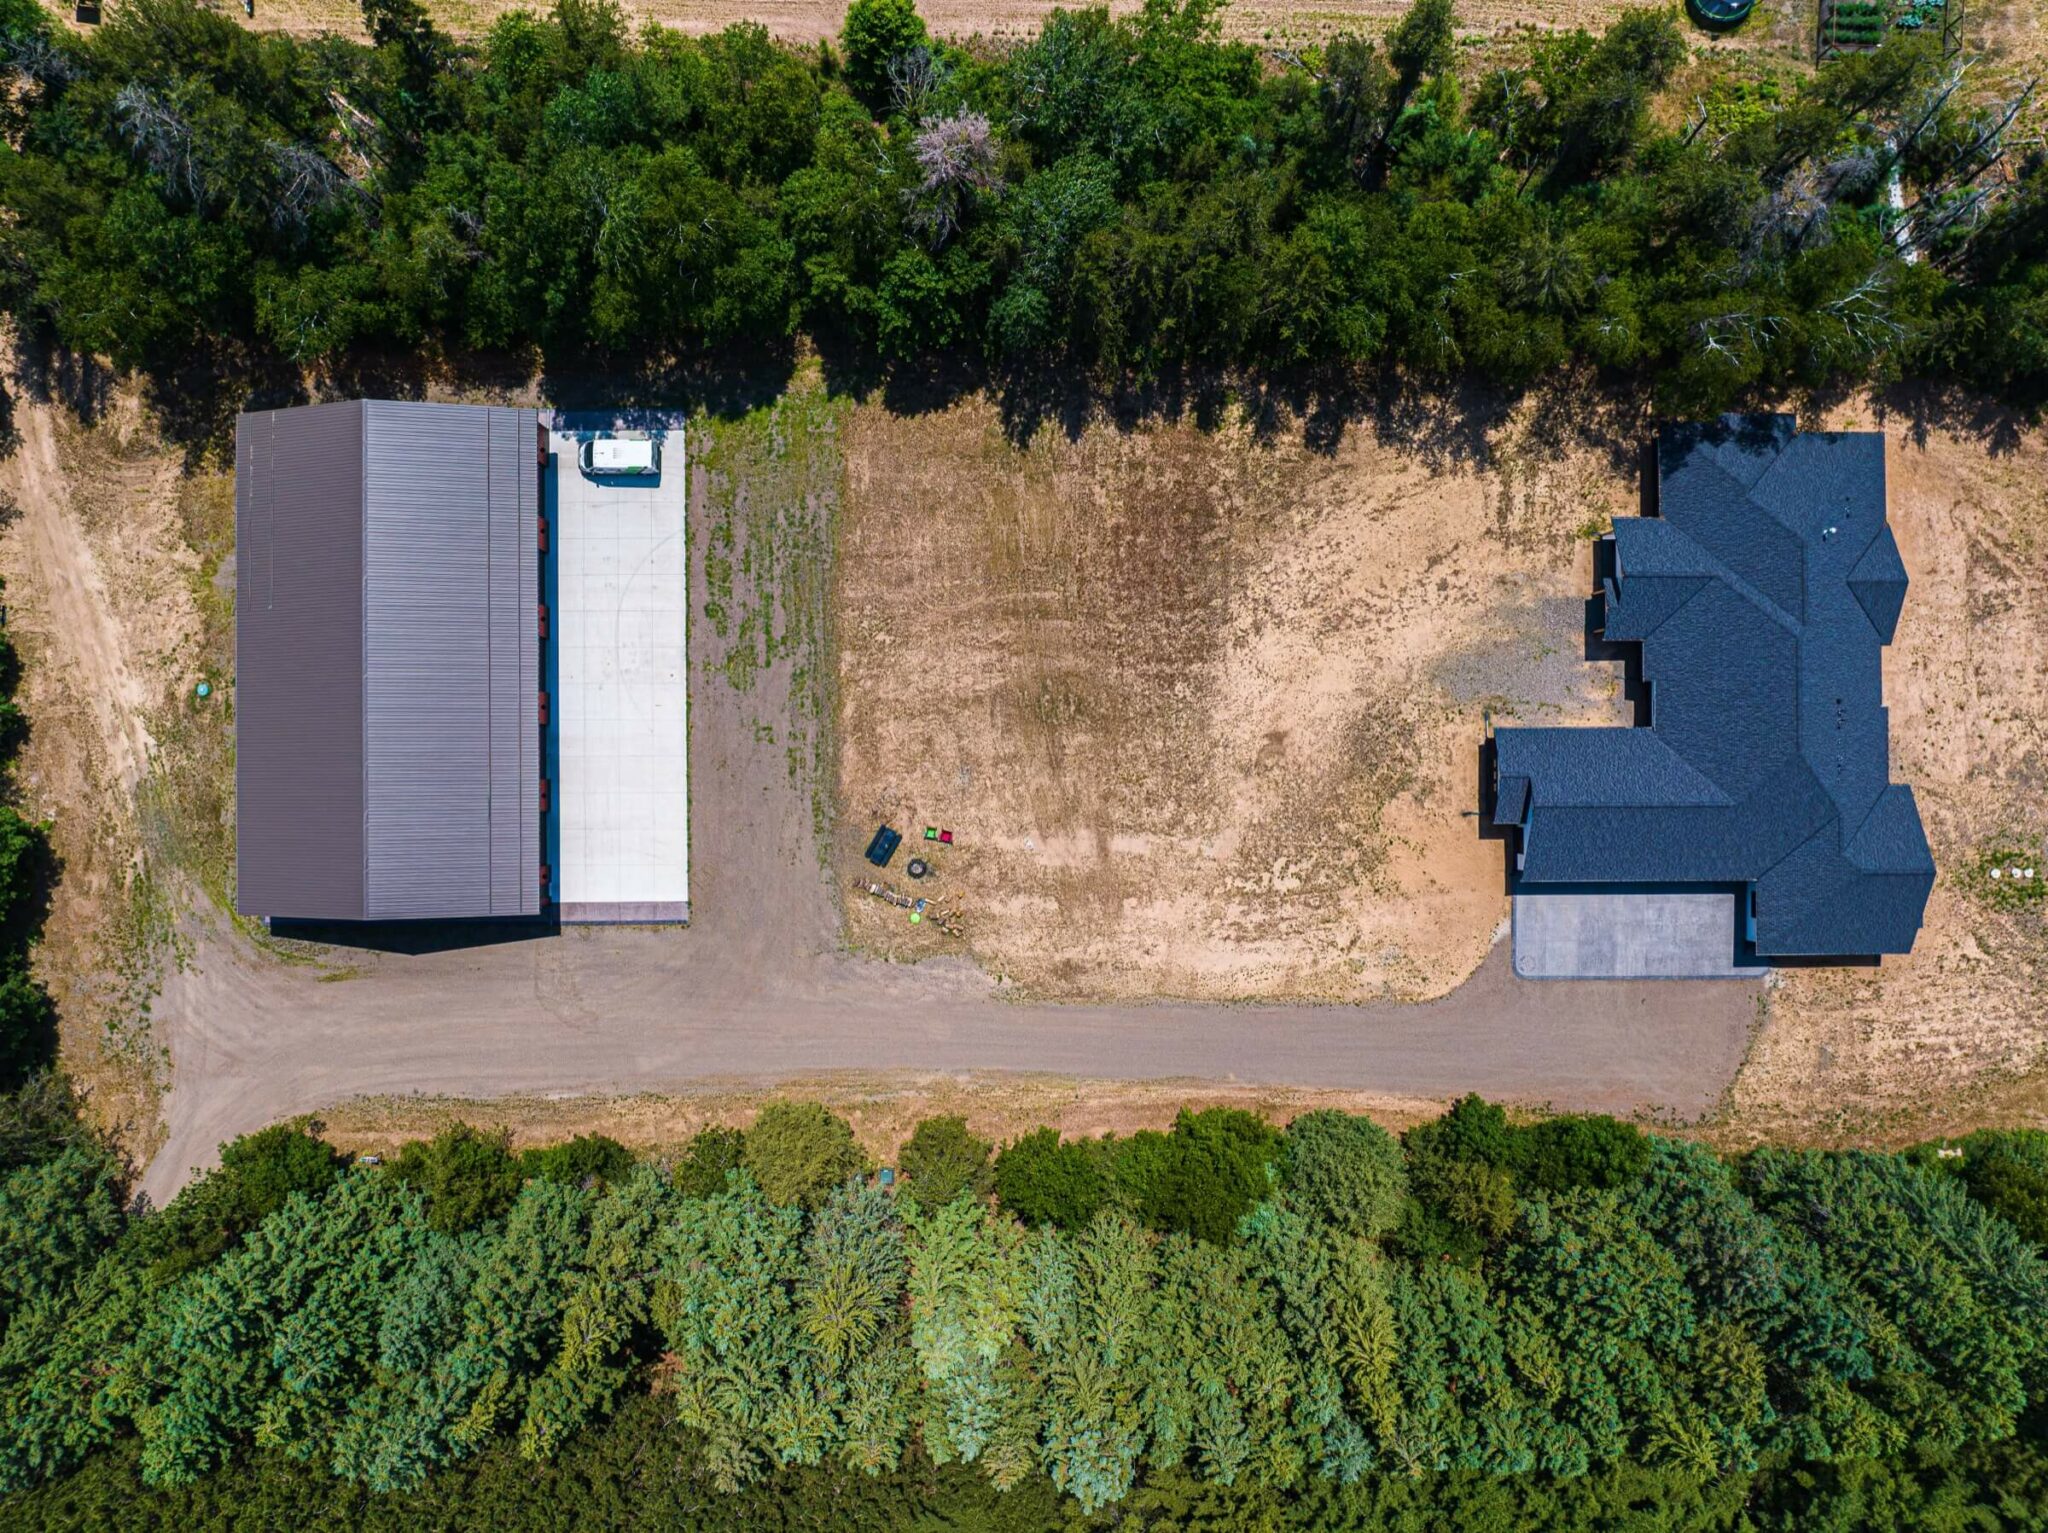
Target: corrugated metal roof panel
451,637
299,849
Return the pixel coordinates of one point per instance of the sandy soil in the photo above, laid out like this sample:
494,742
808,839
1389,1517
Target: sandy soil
883,1110
1205,714
1949,1033
1253,20
99,608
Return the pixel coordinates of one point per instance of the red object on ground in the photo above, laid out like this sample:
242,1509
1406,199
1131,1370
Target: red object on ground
945,838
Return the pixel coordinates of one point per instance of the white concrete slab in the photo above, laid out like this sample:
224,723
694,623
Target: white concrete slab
620,621
1633,935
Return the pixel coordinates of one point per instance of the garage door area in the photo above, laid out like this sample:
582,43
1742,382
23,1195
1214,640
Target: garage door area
620,727
1689,935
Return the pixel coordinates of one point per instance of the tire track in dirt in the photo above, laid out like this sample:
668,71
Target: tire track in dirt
69,594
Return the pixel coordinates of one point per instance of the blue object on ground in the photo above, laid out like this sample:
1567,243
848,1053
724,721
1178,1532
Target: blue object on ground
883,847
204,689
1721,12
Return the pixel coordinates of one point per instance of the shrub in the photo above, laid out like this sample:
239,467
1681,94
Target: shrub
708,1157
1460,1171
256,1174
1346,1170
941,1160
798,1152
28,1022
2007,1172
1201,1178
56,1216
1581,1150
1473,1130
39,1120
26,866
1043,1180
586,1159
465,1175
273,1163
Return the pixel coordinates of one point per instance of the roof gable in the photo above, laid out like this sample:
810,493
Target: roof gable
1879,584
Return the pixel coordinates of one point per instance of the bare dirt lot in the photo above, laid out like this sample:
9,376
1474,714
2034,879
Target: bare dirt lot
1210,709
759,990
1205,715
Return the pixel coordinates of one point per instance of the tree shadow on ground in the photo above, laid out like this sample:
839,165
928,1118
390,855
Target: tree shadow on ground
196,399
28,1016
45,373
1925,408
725,383
1445,424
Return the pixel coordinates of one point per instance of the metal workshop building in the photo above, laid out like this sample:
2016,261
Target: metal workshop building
389,711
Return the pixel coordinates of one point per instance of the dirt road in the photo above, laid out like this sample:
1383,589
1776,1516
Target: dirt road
742,998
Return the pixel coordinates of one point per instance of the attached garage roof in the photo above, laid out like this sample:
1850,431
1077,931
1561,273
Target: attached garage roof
388,662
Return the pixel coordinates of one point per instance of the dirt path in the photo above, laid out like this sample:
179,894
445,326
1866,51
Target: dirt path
83,635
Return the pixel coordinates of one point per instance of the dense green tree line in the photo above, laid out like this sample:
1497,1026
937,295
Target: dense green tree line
624,1477
1119,200
1310,1316
28,1020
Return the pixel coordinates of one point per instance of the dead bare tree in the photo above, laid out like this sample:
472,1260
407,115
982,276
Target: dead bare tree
1733,336
958,157
34,58
306,182
915,77
158,132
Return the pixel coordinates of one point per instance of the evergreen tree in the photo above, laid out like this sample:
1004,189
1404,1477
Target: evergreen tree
942,1161
1345,1171
798,1152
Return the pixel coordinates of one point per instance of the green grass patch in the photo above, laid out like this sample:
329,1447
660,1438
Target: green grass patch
769,510
2008,874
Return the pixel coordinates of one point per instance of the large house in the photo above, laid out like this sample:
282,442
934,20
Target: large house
1762,591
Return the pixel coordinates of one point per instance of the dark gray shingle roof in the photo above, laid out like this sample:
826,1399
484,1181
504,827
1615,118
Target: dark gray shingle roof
1763,593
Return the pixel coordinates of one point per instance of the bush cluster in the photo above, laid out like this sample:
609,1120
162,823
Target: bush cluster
1130,201
1224,1315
